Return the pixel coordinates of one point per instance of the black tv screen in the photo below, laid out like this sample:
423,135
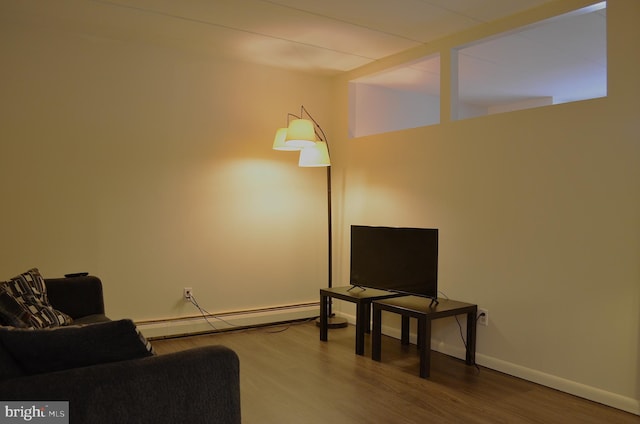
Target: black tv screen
403,260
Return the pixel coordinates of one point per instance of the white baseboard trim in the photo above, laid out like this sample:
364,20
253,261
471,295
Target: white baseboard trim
564,385
192,325
568,386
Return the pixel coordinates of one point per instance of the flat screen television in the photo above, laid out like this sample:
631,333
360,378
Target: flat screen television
403,260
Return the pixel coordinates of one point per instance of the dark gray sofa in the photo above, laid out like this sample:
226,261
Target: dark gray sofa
199,385
80,297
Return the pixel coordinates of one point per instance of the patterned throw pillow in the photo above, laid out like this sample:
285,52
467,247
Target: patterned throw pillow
30,291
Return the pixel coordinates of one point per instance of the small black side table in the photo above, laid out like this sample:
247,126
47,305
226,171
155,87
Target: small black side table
422,309
362,297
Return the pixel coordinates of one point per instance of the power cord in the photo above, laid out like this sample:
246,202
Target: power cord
464,342
206,315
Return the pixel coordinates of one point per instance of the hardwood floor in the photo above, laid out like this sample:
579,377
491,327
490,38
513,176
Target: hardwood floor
288,376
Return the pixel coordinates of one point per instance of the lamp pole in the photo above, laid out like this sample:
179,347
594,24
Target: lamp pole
332,321
330,229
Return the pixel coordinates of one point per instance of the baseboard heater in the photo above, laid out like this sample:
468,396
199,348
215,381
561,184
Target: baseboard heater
227,321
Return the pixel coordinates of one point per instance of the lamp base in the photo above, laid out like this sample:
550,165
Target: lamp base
334,322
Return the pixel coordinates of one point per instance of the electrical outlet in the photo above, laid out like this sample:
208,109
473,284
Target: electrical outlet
186,293
483,317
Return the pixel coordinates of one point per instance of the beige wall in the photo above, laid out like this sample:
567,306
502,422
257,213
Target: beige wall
539,218
153,169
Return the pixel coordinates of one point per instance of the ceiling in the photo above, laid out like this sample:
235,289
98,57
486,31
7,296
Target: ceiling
329,36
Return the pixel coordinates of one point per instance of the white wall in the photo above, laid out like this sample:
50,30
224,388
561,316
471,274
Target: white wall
538,212
153,169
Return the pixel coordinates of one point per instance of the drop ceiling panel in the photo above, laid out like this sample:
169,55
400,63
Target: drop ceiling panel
416,20
487,10
274,21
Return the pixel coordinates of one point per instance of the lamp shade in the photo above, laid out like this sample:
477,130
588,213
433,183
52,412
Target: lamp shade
315,156
300,133
278,141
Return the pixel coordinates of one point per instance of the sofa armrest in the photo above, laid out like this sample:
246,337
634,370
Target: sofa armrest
200,385
76,296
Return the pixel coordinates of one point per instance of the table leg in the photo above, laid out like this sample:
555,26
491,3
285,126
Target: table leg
471,337
324,333
361,324
367,316
424,344
405,330
376,336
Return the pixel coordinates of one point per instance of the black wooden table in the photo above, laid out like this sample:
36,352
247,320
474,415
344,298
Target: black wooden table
362,297
425,311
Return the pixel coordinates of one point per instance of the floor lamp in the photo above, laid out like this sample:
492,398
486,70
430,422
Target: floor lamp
307,137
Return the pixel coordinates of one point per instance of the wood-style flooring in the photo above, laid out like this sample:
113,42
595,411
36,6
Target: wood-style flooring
288,376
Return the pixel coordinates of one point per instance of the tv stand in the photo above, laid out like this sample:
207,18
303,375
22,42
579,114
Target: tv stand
417,307
362,299
434,300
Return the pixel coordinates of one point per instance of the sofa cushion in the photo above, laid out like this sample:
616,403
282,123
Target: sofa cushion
12,312
53,349
30,291
8,366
